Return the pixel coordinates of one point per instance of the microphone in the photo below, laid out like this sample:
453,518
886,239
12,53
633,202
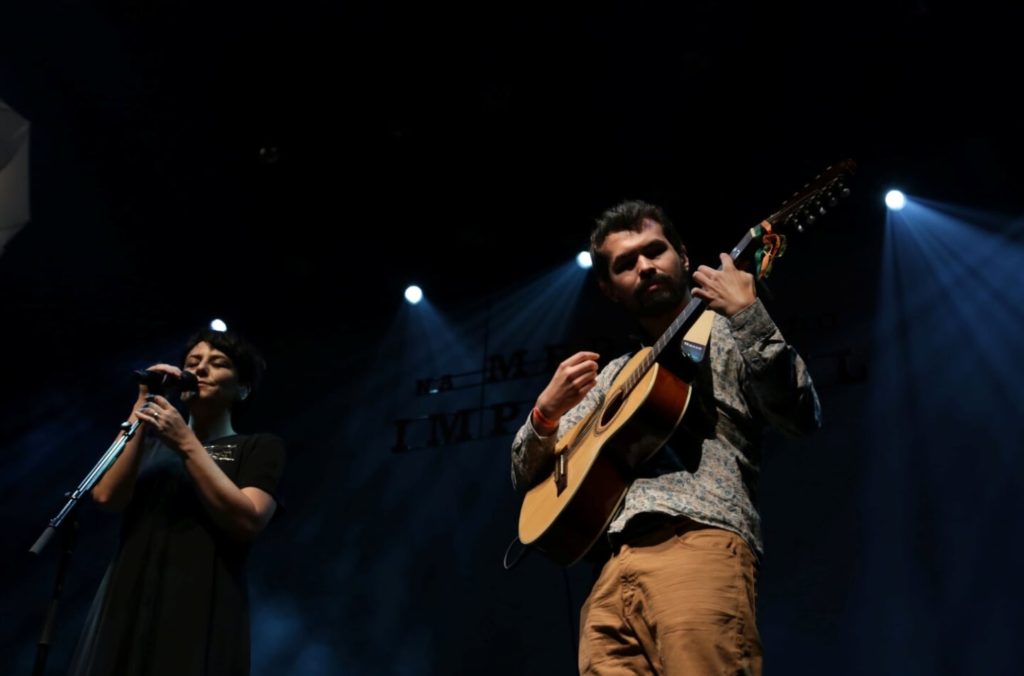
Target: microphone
157,382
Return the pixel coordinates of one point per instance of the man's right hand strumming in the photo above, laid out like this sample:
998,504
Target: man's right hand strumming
573,378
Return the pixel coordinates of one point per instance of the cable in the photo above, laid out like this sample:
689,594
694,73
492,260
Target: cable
505,561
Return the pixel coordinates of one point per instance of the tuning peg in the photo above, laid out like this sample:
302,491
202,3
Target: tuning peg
811,218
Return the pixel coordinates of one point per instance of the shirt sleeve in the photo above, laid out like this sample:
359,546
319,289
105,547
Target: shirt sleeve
262,463
777,380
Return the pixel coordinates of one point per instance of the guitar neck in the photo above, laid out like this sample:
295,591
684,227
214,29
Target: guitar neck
802,209
690,313
696,306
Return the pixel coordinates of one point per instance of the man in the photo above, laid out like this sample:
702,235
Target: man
677,595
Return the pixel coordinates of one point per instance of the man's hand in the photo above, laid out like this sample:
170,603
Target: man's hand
574,377
727,291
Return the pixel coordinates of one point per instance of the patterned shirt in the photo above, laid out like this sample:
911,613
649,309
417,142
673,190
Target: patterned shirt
749,379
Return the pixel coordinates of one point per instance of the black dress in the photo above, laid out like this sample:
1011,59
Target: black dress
175,600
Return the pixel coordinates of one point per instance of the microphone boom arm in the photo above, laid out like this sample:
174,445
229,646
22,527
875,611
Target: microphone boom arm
91,479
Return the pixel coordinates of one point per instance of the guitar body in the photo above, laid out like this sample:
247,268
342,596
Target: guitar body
566,513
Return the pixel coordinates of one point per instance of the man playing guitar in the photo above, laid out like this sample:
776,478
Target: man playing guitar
677,593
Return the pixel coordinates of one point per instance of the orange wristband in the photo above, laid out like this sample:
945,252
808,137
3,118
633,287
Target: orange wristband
546,424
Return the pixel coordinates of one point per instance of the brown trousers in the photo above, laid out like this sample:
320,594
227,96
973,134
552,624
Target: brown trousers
680,601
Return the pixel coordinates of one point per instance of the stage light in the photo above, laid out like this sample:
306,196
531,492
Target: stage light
218,325
583,260
414,294
895,200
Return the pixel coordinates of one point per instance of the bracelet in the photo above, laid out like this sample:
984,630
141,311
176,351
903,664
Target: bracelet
546,424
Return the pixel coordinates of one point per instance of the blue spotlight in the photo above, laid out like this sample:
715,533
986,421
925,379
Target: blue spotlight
414,294
583,260
895,200
218,325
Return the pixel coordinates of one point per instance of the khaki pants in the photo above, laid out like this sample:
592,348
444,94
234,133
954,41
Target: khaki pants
678,601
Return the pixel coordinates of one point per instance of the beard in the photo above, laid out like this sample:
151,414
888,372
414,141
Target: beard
668,297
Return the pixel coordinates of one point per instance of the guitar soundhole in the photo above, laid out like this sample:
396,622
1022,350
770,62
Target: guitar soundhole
612,409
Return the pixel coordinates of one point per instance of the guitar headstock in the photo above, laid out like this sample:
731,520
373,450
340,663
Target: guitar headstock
799,212
806,206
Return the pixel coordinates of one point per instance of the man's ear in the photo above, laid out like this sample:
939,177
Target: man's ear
606,289
684,258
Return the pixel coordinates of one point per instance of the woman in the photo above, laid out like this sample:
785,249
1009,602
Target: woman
195,494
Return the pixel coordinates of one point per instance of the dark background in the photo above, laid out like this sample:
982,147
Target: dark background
290,167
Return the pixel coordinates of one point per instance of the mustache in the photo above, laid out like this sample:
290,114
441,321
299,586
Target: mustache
664,280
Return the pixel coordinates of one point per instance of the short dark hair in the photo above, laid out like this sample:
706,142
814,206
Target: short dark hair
249,363
628,215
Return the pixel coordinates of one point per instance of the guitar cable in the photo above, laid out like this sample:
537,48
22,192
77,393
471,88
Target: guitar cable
510,565
571,624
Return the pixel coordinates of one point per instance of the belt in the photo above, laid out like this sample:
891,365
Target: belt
652,527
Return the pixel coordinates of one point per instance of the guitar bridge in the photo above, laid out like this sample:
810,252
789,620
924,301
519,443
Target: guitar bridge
561,473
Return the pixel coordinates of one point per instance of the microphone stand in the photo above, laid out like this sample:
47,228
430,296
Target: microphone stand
157,383
70,532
